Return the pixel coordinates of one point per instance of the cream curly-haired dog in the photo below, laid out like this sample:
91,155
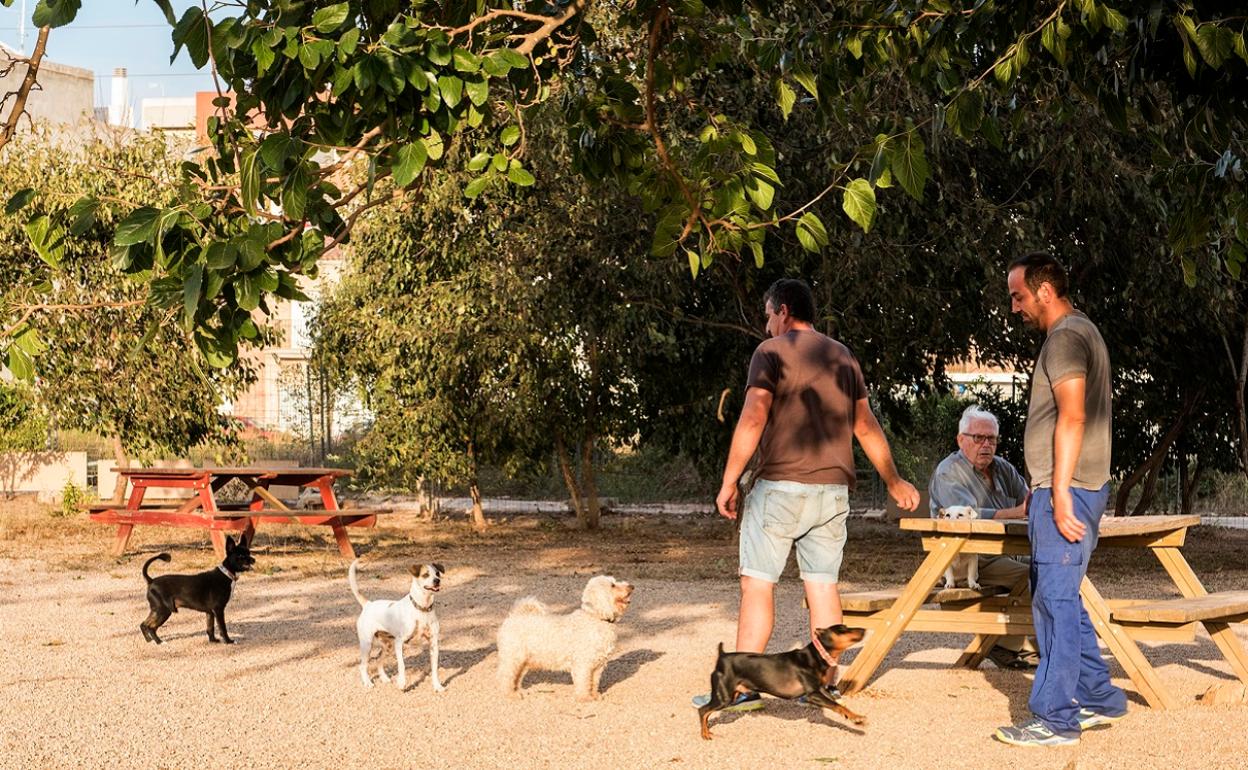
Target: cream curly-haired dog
579,642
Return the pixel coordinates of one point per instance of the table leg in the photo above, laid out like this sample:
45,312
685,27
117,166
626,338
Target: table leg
326,486
123,538
1190,586
218,542
1125,650
895,619
344,542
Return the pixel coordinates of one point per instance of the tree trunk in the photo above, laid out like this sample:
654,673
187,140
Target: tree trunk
119,454
569,479
1240,373
474,490
593,509
1189,482
1150,468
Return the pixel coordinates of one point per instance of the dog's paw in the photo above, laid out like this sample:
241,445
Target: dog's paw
439,687
974,586
401,683
230,641
860,721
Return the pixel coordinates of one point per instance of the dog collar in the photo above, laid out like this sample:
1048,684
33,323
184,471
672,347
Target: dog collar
227,573
412,599
823,651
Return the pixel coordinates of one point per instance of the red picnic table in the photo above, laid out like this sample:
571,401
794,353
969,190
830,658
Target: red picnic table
201,510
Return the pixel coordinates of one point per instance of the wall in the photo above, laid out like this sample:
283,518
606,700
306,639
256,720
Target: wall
41,473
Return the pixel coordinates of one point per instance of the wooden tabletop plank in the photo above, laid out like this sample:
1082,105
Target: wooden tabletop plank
249,471
1217,605
1111,526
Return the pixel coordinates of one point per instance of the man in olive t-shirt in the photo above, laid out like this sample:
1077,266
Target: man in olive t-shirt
805,401
1067,445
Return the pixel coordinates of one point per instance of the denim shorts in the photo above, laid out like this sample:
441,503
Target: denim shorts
778,514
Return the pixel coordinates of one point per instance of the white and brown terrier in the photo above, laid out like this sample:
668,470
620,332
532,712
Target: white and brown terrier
580,642
397,621
963,563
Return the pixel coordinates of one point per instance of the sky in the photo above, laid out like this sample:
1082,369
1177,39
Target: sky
116,33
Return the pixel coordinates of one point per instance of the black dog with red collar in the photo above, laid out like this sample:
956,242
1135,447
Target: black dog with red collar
810,671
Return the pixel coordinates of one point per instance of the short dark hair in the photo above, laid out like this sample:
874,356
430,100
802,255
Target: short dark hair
795,294
1040,267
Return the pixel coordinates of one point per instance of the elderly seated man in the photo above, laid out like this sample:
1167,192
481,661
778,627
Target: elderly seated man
975,476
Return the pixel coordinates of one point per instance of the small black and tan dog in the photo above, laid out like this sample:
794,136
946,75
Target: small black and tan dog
810,671
207,592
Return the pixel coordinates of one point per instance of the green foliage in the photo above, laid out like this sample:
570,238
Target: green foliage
73,500
22,427
109,358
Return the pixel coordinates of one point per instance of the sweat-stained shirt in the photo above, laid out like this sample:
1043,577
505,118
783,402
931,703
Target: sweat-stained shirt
816,384
1073,348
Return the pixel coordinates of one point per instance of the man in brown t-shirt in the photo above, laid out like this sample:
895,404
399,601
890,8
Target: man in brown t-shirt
805,401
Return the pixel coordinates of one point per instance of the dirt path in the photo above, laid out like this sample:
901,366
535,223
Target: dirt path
80,687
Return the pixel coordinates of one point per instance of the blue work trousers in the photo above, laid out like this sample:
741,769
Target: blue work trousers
1072,674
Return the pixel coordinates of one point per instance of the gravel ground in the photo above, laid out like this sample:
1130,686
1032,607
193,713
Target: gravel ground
80,687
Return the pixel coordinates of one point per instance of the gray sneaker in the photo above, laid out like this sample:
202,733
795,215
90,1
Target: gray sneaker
1089,719
1033,733
743,702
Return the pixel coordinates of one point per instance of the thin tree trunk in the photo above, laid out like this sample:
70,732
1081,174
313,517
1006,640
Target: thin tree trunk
1240,373
569,479
474,490
119,455
1148,470
593,509
1189,485
9,127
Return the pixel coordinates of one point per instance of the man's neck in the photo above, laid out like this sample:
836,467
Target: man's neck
1056,312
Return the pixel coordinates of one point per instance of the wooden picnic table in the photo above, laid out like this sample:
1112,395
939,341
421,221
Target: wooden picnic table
201,510
989,614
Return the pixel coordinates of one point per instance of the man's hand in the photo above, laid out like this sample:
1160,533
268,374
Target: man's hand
1064,516
1017,512
904,494
726,501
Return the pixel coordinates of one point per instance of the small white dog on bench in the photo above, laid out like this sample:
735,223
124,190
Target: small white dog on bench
964,562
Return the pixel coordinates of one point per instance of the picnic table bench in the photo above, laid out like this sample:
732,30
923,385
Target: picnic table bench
989,614
202,511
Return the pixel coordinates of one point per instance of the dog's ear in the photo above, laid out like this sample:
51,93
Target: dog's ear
415,570
441,570
230,545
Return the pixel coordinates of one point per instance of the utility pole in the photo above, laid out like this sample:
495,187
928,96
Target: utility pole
21,31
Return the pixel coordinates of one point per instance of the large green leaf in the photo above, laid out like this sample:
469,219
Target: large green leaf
811,233
859,203
409,162
137,227
909,165
249,179
192,31
55,13
19,200
330,17
47,238
451,88
190,294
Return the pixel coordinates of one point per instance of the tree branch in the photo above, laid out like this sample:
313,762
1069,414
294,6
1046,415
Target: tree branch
23,91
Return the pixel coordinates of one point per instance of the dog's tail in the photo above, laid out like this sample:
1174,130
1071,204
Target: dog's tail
529,605
355,589
148,563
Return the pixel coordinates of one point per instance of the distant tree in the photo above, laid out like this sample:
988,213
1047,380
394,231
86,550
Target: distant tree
109,359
